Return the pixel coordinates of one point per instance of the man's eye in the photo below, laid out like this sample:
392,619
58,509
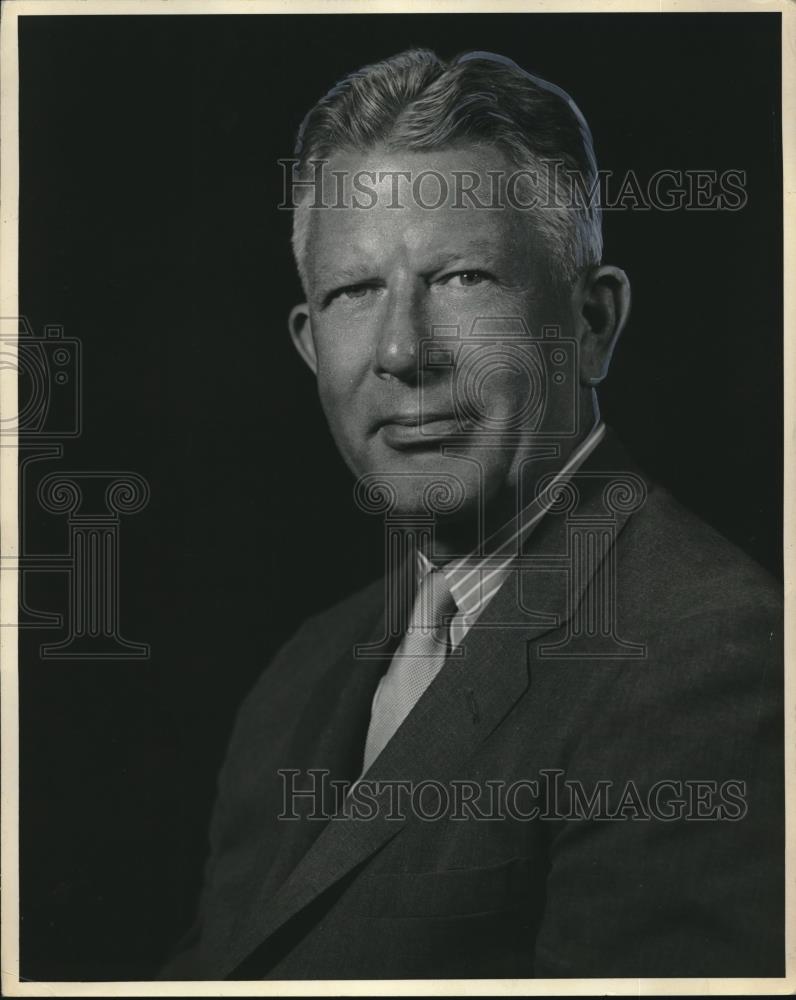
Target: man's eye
350,292
466,279
356,291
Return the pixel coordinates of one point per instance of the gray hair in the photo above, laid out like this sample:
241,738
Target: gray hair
416,101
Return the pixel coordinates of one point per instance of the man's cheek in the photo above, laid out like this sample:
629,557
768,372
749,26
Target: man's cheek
506,401
345,419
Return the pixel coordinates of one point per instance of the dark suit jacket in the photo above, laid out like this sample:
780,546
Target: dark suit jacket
687,689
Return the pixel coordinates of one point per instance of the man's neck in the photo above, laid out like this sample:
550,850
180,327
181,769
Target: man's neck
461,536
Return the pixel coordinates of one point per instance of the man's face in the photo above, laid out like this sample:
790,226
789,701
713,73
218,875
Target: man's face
380,279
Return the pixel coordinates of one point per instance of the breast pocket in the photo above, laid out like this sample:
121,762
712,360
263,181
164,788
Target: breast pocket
447,892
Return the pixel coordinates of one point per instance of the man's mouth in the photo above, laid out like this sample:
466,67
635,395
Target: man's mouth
413,430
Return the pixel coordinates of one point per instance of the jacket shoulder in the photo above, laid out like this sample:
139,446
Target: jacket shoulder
317,642
678,566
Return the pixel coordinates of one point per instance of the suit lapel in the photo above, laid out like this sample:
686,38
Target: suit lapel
326,747
328,735
460,710
467,700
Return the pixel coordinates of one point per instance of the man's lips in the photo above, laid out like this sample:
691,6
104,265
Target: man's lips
415,430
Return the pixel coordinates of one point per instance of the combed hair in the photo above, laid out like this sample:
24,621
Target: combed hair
416,101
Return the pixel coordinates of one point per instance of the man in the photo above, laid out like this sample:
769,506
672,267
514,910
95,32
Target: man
549,742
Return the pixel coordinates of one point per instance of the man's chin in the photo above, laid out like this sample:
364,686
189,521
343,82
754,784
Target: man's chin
419,485
442,496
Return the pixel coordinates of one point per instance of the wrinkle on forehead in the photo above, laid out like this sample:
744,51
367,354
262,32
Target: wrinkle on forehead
347,244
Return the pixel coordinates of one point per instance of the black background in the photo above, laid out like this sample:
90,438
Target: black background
149,229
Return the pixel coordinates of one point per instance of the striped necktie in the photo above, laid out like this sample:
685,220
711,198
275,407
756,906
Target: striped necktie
415,665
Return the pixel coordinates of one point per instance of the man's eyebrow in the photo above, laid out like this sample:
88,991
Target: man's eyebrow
336,275
481,248
345,272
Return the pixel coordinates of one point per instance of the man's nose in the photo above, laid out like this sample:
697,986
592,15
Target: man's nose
402,330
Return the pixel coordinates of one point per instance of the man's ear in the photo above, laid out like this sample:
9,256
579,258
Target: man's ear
301,334
601,305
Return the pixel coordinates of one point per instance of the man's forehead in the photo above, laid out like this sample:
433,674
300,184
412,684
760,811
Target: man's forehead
382,200
441,230
460,177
